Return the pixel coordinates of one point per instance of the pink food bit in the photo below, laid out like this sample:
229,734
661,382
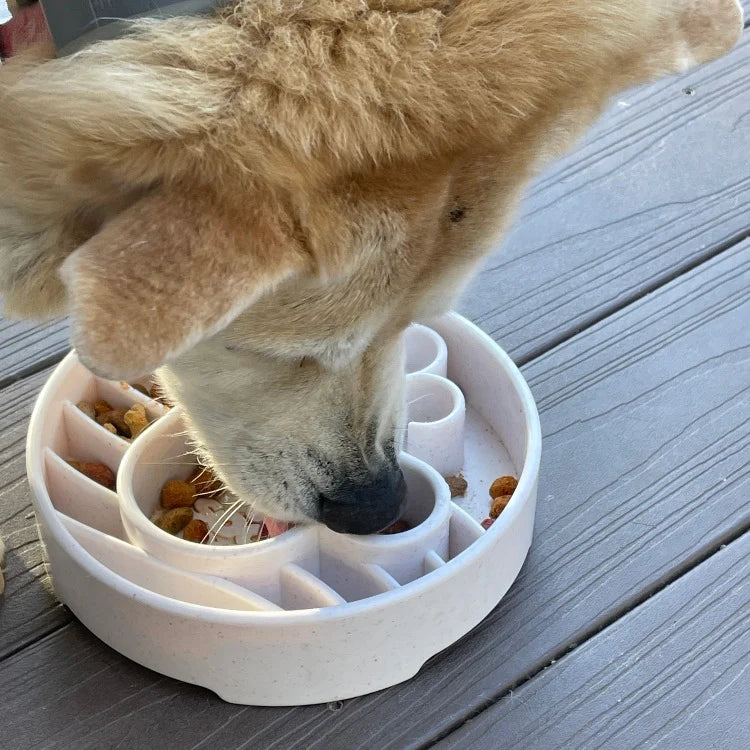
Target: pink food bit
488,522
272,527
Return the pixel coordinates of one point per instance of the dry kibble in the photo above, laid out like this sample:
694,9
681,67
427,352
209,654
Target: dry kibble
87,408
136,419
177,493
99,473
102,406
503,486
195,531
397,527
458,485
207,484
115,417
175,520
109,427
487,523
498,505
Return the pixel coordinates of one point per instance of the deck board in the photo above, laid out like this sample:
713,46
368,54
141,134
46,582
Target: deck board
646,434
26,347
664,182
672,672
28,608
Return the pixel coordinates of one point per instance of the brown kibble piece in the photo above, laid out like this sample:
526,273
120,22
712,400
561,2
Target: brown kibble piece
195,531
458,485
109,427
87,408
175,520
397,527
117,418
487,523
136,419
102,406
207,484
503,486
177,493
99,473
498,505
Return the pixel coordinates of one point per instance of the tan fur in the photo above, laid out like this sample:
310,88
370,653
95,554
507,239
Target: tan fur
122,302
320,172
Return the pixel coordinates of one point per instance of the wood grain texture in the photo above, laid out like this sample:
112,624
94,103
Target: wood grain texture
28,609
671,673
659,183
25,347
647,433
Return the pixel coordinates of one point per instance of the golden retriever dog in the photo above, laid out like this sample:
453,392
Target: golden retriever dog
258,201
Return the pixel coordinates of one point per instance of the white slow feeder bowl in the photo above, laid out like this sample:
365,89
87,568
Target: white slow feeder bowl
309,616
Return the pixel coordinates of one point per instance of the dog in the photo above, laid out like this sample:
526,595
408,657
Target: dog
258,202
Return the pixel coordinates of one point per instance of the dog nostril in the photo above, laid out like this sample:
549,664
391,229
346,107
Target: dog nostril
365,508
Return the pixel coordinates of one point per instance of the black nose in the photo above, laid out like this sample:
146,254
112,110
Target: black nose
365,508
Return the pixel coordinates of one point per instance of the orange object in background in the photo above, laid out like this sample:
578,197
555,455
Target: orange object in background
26,28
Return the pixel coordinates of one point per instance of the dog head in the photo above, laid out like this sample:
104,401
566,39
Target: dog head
291,375
262,218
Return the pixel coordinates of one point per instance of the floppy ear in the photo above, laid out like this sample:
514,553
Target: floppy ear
170,270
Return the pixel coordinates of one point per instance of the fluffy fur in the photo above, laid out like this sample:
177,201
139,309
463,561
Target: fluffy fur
263,199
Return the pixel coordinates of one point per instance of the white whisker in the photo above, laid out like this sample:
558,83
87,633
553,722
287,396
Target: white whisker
249,521
218,524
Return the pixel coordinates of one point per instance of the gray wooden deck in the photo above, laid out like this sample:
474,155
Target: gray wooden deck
624,292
